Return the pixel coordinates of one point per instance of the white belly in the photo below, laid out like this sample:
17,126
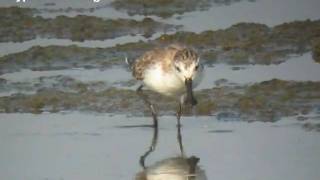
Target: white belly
168,83
163,83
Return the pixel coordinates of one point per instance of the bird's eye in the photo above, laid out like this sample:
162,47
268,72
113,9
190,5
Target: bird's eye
196,68
178,69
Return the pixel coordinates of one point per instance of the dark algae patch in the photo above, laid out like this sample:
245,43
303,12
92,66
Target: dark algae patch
276,98
21,24
241,44
265,101
312,126
66,57
53,57
166,8
251,43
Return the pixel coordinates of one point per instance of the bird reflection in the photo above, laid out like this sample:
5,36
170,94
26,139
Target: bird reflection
173,168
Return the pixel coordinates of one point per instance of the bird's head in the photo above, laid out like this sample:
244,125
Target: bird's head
186,66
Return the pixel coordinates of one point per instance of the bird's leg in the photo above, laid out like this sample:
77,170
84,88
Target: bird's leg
179,137
151,148
149,104
179,112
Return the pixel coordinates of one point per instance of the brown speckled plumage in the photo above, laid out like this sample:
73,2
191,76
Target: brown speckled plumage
166,55
186,56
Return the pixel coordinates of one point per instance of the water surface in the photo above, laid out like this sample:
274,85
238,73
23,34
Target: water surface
89,146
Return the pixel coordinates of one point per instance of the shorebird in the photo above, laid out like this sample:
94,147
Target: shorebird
171,71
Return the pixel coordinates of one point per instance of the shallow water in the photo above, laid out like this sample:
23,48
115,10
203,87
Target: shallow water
269,12
14,47
299,68
89,146
111,75
74,145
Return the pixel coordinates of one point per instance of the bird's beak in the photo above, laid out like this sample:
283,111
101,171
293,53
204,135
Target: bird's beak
190,98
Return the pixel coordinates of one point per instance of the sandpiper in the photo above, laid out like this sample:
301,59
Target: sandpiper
172,71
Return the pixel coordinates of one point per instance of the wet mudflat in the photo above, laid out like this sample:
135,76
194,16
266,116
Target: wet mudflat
102,146
69,110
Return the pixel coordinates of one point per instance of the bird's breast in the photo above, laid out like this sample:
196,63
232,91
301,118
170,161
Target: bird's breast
167,83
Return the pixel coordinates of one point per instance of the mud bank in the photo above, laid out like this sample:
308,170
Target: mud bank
251,43
266,101
21,24
66,57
